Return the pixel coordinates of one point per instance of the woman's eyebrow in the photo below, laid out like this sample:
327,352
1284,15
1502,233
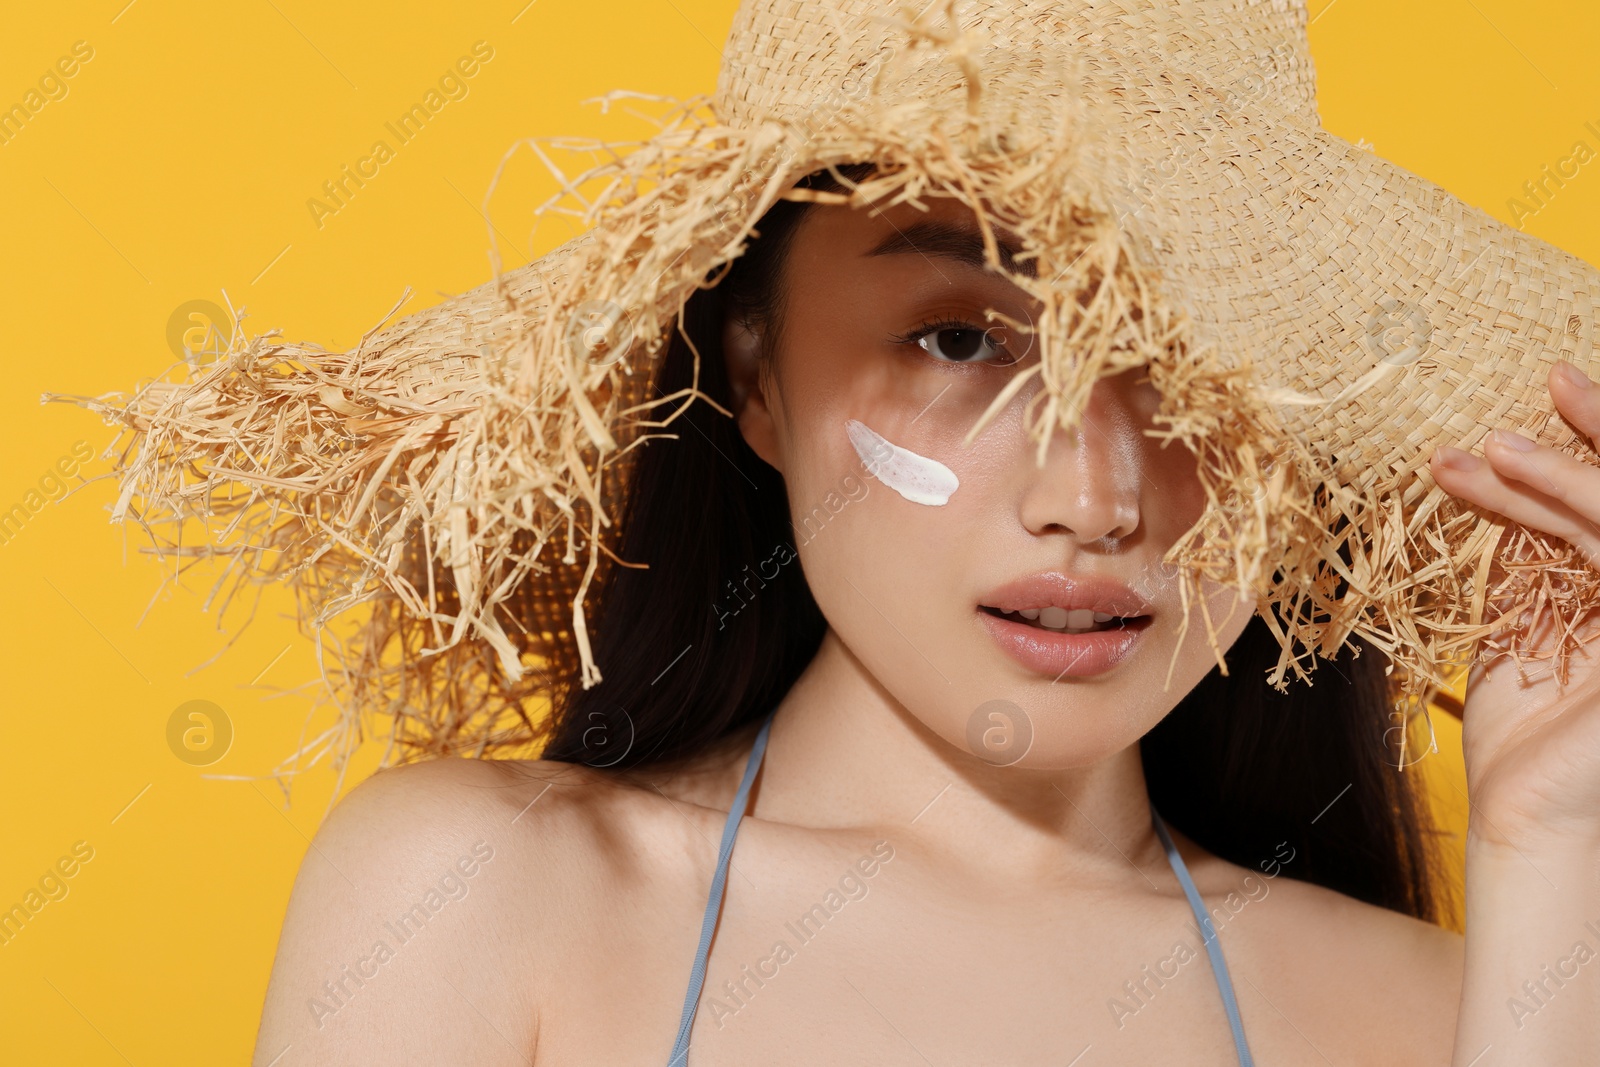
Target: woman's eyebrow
949,240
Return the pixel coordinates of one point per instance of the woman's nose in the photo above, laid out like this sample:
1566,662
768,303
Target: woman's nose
1089,485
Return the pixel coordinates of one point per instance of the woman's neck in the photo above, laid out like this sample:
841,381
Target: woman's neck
844,753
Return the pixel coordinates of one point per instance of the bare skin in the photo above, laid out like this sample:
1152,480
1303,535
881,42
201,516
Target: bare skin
1006,907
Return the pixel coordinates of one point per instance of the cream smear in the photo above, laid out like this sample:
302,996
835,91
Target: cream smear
917,478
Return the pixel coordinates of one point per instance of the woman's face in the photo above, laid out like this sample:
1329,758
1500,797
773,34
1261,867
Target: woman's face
916,546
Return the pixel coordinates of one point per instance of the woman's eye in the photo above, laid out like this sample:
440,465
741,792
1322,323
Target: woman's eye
962,344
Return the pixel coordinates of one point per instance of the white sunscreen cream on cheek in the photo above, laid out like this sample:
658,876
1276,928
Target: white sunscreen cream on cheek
917,478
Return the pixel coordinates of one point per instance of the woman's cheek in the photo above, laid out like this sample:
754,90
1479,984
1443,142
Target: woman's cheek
890,550
829,501
861,535
917,478
880,497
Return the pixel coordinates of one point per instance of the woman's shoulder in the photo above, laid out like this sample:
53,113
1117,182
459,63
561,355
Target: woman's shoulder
542,802
559,809
552,826
480,879
1337,958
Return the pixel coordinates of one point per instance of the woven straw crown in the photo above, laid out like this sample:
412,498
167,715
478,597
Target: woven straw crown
1316,318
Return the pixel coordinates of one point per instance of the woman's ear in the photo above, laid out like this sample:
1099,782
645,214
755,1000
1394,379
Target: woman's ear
741,351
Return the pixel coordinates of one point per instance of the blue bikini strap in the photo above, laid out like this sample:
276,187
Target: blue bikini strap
719,884
1219,966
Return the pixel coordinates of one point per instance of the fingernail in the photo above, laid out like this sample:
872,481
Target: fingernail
1574,376
1514,440
1457,459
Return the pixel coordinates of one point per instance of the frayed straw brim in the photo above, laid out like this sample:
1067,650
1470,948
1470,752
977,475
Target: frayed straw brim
455,480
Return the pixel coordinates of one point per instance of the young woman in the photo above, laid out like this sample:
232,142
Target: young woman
953,842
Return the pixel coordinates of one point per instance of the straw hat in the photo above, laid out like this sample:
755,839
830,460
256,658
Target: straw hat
1316,318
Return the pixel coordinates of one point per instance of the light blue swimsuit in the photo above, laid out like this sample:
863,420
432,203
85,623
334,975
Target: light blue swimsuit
719,882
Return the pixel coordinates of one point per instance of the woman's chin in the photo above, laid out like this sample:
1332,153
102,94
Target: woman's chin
1050,730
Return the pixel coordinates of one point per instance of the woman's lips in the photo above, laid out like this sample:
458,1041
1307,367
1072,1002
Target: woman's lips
1063,654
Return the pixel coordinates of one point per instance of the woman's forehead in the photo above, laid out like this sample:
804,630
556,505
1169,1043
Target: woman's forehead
942,229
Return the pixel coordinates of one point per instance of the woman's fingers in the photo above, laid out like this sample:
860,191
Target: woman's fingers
1538,487
1524,490
1577,399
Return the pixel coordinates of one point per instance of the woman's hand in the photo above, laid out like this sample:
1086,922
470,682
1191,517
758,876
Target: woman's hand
1532,745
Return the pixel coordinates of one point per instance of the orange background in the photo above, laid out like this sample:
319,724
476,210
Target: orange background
177,167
